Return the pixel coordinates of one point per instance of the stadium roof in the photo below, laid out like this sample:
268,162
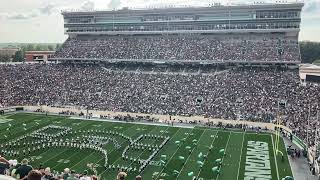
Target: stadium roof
40,52
309,69
175,9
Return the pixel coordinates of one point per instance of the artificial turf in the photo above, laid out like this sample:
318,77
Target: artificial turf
199,141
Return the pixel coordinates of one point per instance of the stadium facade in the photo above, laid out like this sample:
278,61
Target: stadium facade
272,26
261,18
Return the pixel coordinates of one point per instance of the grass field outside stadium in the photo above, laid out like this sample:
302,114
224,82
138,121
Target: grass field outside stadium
168,152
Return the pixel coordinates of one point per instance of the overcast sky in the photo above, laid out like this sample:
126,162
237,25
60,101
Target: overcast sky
40,21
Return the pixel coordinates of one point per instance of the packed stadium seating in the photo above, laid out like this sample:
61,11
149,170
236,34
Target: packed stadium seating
241,93
222,48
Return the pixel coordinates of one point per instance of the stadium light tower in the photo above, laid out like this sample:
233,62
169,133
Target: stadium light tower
238,103
308,125
278,123
317,135
229,14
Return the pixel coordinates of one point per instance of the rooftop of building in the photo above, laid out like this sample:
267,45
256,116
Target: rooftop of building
40,52
183,8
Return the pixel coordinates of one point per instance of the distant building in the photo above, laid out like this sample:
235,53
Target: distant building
309,72
8,51
38,55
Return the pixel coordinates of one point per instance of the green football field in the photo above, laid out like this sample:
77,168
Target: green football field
187,153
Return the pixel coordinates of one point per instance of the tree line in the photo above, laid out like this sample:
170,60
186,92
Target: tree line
310,51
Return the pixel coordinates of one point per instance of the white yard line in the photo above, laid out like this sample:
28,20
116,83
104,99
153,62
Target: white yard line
69,158
170,158
240,156
225,149
50,148
215,137
275,157
190,154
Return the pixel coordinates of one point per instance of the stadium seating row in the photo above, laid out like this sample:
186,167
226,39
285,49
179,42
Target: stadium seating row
183,47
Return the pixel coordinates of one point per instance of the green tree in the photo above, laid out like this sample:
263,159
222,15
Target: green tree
39,47
5,58
50,47
58,46
310,51
30,47
18,56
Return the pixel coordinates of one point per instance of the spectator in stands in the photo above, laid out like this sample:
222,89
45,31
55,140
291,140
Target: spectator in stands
47,174
4,164
72,175
183,47
121,176
66,174
24,169
251,94
34,175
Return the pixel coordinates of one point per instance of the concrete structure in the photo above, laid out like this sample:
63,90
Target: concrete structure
254,18
309,72
310,69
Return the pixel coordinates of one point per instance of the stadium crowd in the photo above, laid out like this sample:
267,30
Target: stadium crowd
253,94
182,47
22,170
11,170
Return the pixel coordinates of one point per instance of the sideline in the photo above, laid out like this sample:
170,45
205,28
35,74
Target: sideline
243,137
175,124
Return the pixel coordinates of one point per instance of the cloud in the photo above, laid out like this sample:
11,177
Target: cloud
88,6
19,16
48,9
114,4
312,6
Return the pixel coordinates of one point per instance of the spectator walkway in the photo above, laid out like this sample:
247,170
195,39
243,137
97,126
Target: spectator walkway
299,166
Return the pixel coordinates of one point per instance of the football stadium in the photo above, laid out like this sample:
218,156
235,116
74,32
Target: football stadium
188,93
153,151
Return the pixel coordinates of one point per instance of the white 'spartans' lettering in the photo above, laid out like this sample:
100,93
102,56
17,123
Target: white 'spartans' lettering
257,161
